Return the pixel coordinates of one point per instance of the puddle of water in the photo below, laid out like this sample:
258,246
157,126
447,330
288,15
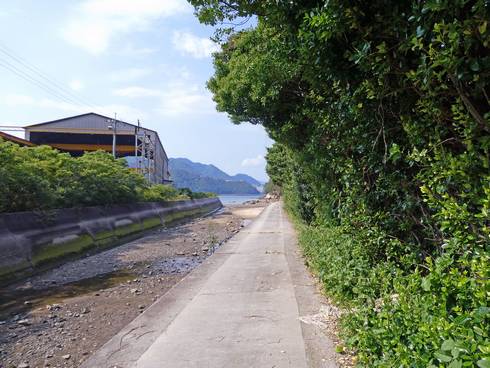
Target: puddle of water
14,301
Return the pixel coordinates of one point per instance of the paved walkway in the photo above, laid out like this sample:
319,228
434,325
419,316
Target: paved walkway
241,308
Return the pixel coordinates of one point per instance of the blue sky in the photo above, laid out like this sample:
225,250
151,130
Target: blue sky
144,59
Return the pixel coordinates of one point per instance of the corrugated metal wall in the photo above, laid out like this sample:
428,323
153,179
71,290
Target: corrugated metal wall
86,131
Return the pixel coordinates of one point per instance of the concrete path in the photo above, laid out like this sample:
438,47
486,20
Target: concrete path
241,308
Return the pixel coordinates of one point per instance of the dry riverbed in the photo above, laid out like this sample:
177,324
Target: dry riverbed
60,317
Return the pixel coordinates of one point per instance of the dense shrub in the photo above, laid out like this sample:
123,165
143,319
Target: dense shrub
195,195
37,178
343,265
405,312
270,187
32,178
380,111
160,192
98,179
430,318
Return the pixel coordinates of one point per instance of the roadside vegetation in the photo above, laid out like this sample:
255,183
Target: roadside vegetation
270,187
380,113
39,178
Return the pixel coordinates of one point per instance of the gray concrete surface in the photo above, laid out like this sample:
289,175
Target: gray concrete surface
36,240
242,308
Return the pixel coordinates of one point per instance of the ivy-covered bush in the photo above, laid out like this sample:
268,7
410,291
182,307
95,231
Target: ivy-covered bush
380,112
39,178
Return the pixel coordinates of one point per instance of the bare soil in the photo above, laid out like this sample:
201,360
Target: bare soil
60,317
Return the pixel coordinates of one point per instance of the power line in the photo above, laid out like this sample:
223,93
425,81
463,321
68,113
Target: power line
33,69
34,75
32,80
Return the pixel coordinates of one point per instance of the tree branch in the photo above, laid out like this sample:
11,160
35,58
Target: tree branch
469,105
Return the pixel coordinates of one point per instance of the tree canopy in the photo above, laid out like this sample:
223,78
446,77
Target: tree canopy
380,113
42,178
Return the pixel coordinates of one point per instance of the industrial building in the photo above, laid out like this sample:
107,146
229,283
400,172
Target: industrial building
141,147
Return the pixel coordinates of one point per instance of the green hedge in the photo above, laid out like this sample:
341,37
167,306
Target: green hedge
435,316
380,112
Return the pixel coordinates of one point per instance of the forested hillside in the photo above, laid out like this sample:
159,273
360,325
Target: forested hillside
208,178
380,113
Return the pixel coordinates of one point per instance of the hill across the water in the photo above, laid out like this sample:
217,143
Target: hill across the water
208,178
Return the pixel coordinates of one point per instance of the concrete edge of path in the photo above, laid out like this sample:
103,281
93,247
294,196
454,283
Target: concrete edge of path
134,339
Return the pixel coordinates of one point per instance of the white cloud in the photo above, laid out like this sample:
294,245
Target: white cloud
182,99
124,112
44,103
76,85
14,99
97,22
131,50
130,74
136,92
197,47
254,161
175,99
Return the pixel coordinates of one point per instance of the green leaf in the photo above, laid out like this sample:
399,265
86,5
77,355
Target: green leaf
447,345
483,27
475,66
479,331
456,351
455,364
483,363
425,284
443,357
339,349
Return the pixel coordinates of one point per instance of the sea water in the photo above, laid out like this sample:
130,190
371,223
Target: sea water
230,199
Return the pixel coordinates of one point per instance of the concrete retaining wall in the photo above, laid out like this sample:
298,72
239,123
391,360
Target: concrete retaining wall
30,241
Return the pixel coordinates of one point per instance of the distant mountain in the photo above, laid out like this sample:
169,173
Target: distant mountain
248,179
197,168
208,178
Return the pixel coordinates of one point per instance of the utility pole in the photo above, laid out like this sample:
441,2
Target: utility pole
114,133
136,129
146,156
112,126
